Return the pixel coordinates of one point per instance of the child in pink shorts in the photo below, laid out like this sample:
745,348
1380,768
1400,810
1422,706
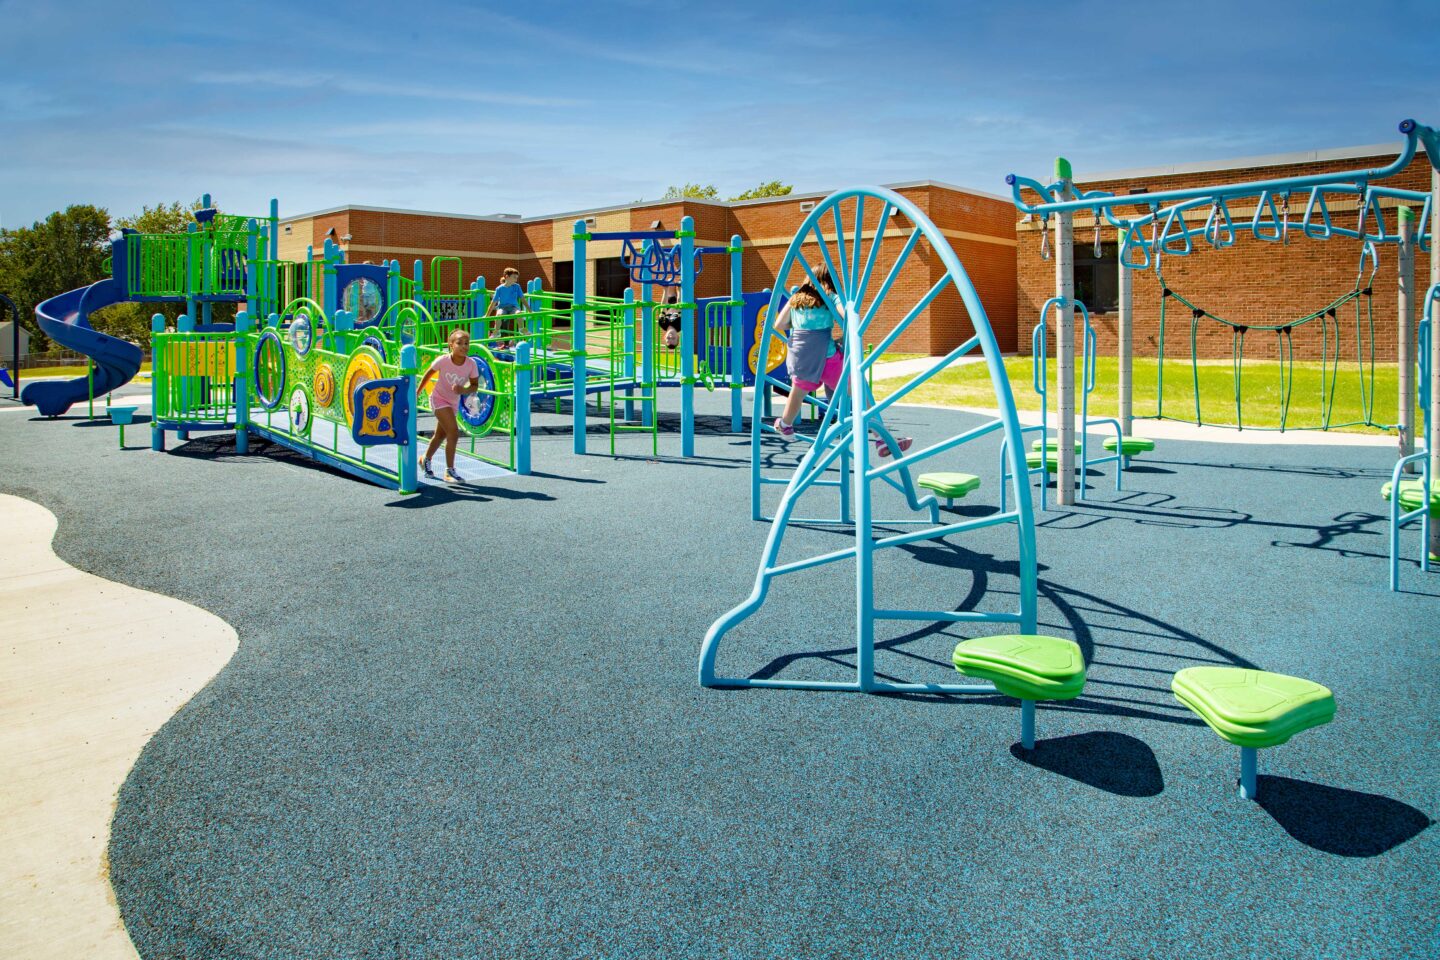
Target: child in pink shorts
455,374
814,359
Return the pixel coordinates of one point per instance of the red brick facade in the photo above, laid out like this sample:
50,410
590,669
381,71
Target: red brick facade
1253,282
980,228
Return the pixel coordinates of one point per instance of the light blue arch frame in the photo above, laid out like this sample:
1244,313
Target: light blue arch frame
844,435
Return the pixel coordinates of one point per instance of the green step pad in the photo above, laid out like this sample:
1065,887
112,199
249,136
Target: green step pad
949,485
1412,493
1051,445
1129,446
1035,459
1024,666
1253,708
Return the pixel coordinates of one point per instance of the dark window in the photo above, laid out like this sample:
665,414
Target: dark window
1097,279
612,278
565,277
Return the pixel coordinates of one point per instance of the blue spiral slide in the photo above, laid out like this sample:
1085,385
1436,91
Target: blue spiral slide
65,319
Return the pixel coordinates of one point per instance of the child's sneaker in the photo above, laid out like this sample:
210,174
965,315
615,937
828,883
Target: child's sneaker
452,477
425,466
783,428
882,449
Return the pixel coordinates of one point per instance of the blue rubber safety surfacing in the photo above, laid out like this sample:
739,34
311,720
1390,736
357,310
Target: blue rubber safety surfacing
469,725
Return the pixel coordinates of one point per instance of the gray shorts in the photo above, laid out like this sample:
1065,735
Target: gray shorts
806,360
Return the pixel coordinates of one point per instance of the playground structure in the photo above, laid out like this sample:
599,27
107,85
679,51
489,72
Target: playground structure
1164,216
311,340
842,440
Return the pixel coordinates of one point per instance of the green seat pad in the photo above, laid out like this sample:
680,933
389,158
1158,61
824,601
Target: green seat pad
1024,666
949,485
1412,493
1051,445
1129,446
1253,708
1036,459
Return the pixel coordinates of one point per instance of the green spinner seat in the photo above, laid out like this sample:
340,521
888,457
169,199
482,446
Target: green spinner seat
1026,667
1130,446
951,486
1035,459
1253,709
1412,494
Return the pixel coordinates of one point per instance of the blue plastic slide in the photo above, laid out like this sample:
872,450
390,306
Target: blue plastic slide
65,319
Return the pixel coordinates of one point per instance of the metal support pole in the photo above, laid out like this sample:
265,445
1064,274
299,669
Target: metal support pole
1027,724
408,466
1434,438
1405,268
1127,352
157,367
577,338
687,337
737,333
1247,772
242,383
522,408
630,345
1065,343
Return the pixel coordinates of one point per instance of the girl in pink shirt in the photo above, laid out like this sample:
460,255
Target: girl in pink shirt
455,374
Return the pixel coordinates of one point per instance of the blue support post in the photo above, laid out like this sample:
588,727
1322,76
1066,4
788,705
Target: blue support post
242,383
687,336
1247,772
647,350
1027,724
737,333
275,233
408,466
157,433
185,324
522,408
577,338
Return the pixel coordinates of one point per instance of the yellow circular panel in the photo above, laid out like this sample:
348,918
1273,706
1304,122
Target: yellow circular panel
324,385
363,368
777,346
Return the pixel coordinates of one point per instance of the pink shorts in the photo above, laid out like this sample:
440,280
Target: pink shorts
830,376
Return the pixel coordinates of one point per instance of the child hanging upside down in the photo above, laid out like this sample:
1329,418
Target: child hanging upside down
814,357
669,320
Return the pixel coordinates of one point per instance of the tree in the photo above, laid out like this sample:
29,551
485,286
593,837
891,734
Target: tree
770,188
64,251
692,191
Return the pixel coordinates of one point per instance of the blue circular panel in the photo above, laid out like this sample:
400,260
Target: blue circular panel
476,409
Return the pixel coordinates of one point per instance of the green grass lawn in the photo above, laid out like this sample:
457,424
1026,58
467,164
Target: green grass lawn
76,370
969,386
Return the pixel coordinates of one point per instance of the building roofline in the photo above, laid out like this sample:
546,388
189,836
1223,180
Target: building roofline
1243,163
612,208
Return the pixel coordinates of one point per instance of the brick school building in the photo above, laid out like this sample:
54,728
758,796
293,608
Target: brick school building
1253,281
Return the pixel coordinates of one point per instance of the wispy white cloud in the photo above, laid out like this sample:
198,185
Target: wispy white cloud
355,86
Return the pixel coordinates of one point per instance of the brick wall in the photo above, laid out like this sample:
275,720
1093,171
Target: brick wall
1252,282
981,229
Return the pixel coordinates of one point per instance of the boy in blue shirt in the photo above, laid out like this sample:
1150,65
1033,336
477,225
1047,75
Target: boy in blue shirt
505,303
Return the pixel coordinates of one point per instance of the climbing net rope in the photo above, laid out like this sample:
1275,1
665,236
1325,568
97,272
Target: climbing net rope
1335,354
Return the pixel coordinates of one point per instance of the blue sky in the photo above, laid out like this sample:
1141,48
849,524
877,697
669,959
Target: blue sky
548,107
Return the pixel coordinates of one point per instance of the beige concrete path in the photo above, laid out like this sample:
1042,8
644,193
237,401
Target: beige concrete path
91,669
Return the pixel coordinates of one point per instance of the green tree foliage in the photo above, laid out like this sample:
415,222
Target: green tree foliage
64,251
771,188
68,249
692,191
